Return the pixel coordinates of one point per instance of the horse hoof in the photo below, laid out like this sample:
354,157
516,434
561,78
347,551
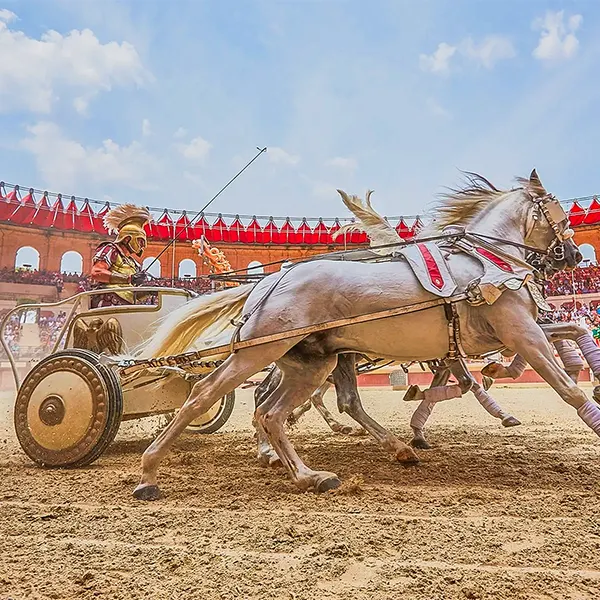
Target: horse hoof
147,492
510,421
420,444
488,382
406,460
596,394
329,483
345,429
358,432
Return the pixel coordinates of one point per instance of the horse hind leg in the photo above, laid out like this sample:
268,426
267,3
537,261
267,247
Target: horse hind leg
300,379
461,371
344,378
318,402
267,457
232,373
424,410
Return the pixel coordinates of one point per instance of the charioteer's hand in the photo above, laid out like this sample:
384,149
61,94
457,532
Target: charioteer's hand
139,278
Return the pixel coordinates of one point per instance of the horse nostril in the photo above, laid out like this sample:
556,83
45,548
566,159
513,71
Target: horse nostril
578,257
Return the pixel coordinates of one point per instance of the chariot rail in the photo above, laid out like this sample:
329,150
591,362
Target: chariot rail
76,302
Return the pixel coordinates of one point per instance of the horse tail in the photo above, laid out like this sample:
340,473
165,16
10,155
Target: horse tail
179,331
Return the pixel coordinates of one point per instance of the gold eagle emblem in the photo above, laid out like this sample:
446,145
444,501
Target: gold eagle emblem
98,336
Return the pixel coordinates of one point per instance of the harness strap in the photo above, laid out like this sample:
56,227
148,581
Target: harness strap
133,366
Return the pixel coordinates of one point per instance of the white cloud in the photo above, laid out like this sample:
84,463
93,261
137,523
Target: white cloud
437,109
146,128
486,53
197,150
557,38
65,163
343,163
7,16
324,190
491,50
34,72
279,155
180,133
81,104
439,61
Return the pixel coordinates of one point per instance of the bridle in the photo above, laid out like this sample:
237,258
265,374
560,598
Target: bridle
550,207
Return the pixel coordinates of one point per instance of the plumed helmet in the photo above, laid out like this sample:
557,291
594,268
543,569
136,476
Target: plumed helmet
128,221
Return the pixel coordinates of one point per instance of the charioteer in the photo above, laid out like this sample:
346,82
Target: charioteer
116,264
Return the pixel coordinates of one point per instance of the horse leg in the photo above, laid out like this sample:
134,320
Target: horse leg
348,398
529,340
300,378
424,410
298,412
570,358
265,453
317,401
225,378
582,337
461,371
496,370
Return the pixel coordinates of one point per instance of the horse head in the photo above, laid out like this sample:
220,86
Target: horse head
547,228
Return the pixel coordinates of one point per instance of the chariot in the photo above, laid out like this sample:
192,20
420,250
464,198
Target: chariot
70,403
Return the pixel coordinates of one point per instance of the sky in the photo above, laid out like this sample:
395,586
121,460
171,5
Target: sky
161,103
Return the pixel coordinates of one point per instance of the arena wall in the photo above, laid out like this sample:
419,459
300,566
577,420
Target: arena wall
52,244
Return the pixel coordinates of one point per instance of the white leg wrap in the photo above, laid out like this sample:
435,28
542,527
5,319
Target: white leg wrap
570,357
590,415
421,415
488,402
590,351
517,367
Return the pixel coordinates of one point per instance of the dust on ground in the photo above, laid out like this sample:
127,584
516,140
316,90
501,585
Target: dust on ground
491,513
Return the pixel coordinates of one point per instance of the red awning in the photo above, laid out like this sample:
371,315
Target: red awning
183,230
43,214
576,214
271,233
306,234
335,227
58,214
164,226
322,234
85,219
254,233
218,232
287,233
236,230
99,219
24,212
71,215
593,213
403,229
9,204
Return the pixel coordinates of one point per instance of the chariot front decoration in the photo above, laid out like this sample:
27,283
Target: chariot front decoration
214,258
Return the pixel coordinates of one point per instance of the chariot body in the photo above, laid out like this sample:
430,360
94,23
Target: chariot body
70,404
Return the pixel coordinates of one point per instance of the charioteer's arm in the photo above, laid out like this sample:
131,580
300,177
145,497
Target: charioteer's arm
101,273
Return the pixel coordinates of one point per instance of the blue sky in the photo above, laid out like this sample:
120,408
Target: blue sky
161,102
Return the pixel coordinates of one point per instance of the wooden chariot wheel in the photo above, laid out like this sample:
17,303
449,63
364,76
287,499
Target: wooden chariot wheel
68,409
214,418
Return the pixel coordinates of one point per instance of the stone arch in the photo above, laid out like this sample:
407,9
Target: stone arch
589,254
255,268
155,269
27,258
71,262
187,267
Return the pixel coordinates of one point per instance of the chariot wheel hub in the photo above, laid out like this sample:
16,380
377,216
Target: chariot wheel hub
52,410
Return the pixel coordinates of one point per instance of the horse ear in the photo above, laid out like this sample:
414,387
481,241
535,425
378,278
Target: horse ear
536,184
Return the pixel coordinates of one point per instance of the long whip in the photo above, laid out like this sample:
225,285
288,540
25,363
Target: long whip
199,214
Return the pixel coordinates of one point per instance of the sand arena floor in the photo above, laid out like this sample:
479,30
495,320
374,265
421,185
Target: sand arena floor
490,513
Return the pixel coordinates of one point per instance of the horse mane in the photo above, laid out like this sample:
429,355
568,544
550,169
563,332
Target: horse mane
462,205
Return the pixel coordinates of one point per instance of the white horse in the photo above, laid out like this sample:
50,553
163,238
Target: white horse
326,291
